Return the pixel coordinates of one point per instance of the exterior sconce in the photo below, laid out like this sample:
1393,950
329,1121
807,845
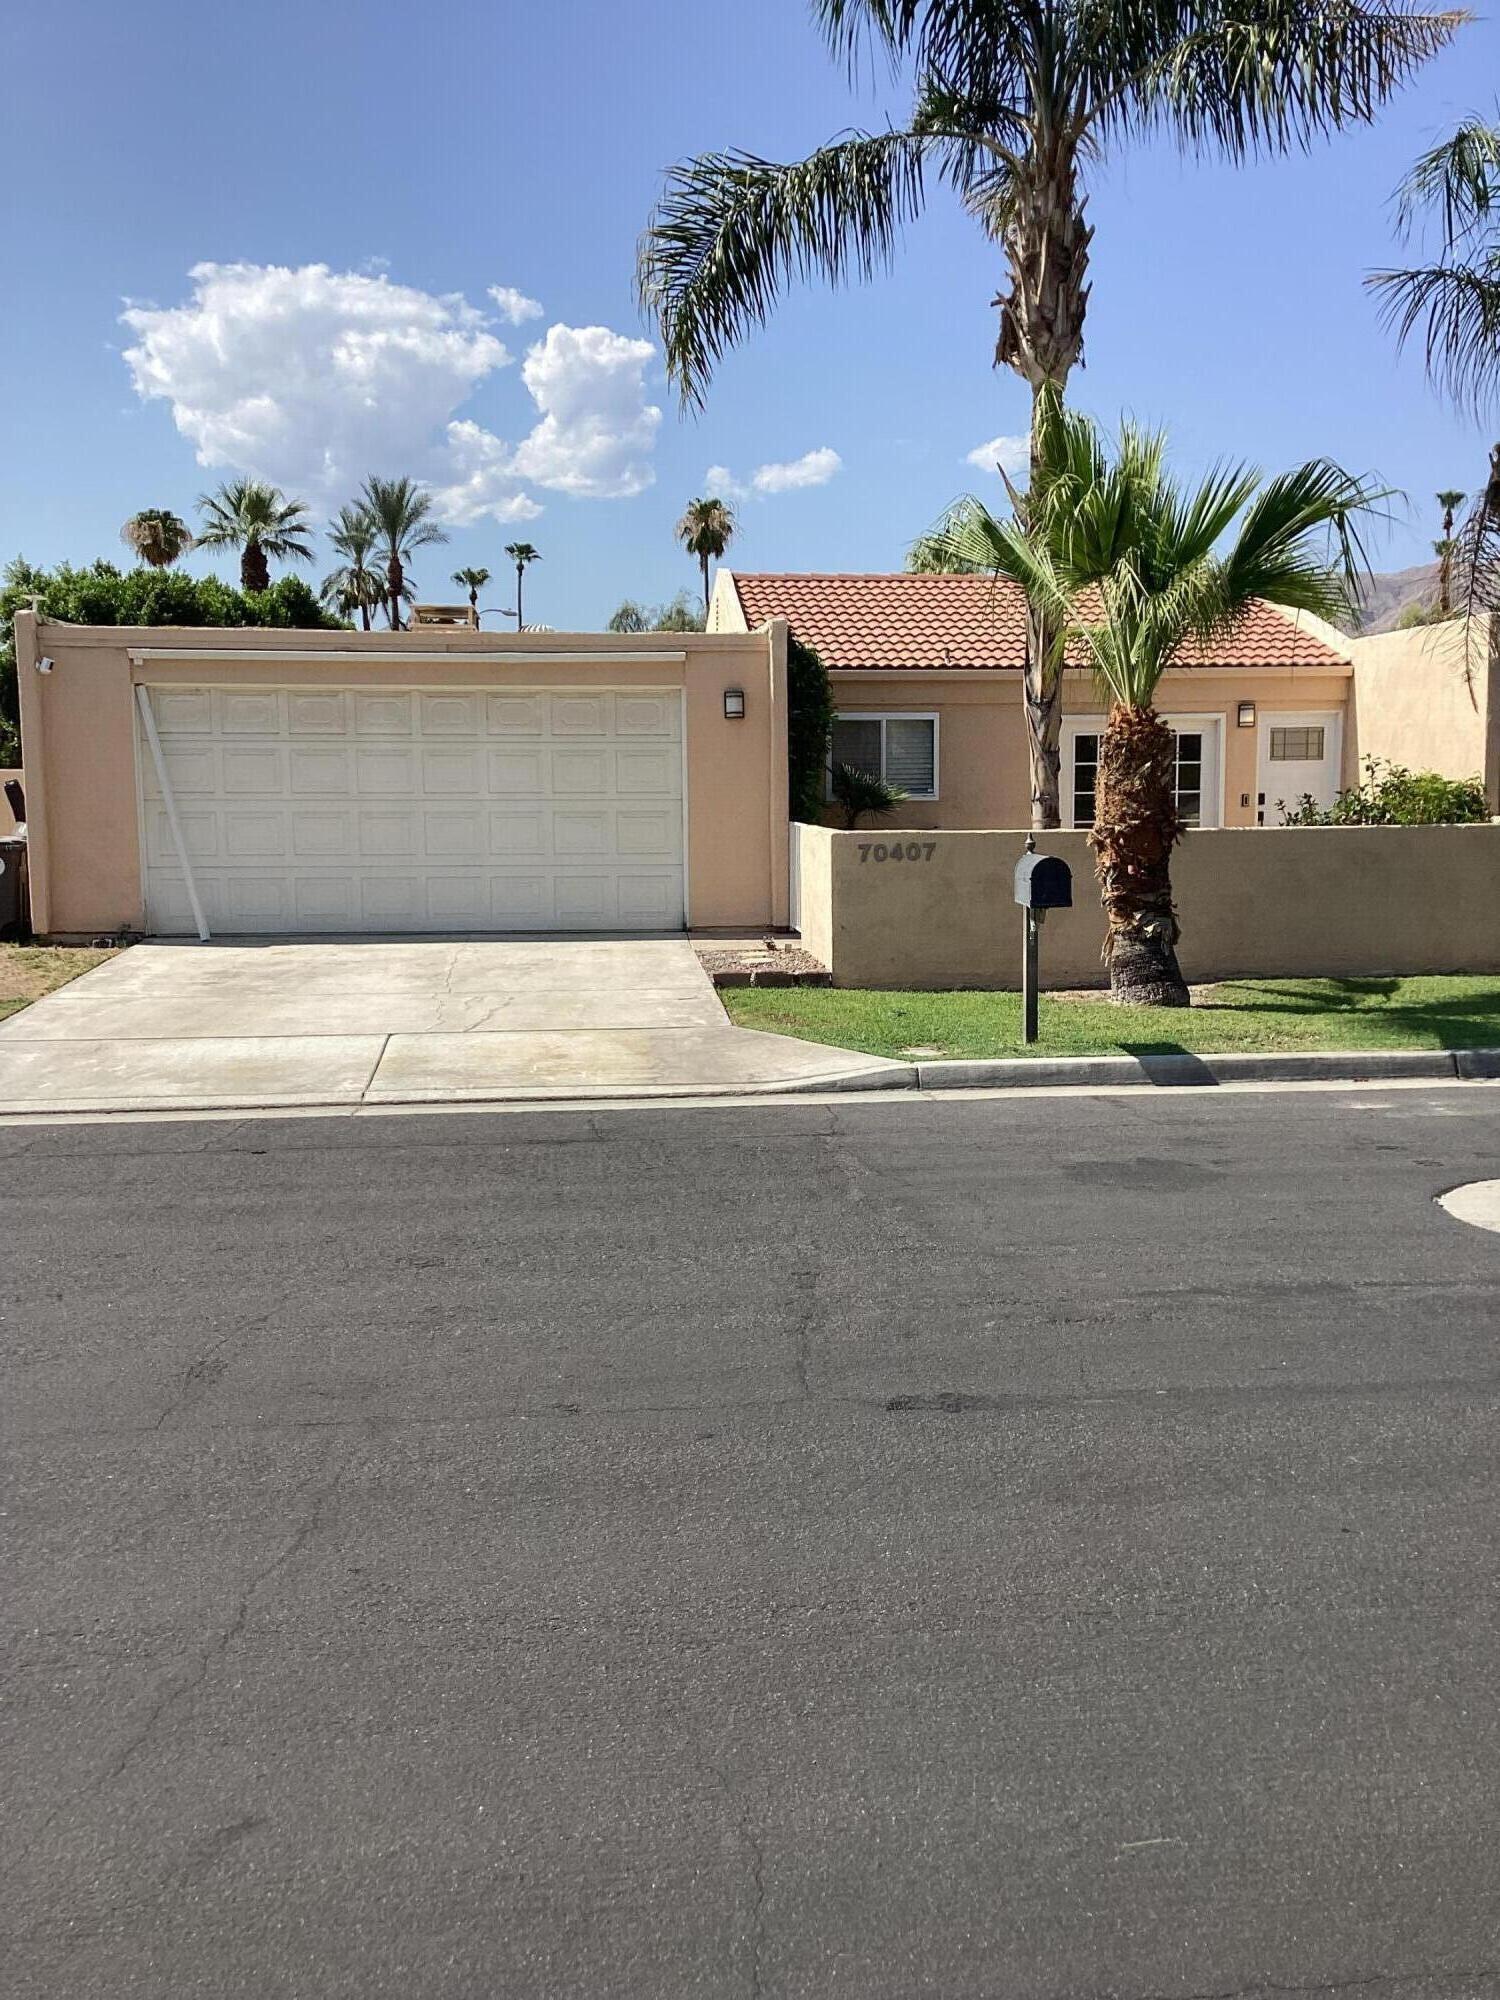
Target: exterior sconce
734,704
1246,716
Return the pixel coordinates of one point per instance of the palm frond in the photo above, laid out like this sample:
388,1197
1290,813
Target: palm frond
1248,76
731,229
1458,181
1456,309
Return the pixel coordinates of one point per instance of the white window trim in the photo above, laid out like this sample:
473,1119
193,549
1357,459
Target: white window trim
1093,725
892,715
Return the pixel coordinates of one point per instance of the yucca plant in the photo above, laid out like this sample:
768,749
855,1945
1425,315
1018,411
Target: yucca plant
1014,103
260,522
158,536
401,511
1131,567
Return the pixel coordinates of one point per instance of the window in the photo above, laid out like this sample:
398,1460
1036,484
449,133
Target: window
1297,746
1188,787
1195,779
901,749
1085,773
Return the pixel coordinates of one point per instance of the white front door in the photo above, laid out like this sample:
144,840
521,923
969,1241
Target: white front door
1198,787
417,809
1300,756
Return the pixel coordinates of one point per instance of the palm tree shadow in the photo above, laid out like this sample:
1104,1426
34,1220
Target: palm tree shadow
1169,1065
1460,1021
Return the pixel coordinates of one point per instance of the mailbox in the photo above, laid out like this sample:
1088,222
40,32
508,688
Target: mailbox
1043,883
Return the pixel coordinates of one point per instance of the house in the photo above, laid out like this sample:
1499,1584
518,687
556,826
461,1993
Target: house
436,780
926,674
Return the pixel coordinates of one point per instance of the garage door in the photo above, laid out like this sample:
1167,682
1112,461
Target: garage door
417,809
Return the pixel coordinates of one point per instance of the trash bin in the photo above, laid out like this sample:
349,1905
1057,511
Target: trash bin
13,911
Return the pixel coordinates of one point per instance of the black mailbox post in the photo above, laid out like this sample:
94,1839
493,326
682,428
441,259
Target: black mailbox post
1043,883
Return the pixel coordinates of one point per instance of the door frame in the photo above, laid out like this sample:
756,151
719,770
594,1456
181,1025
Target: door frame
1332,720
1211,720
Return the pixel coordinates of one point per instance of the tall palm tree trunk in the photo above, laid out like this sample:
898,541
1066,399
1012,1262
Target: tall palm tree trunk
703,559
520,614
1135,829
255,571
1041,338
395,583
364,616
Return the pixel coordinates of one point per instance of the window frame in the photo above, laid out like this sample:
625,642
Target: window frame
883,716
1210,720
1300,729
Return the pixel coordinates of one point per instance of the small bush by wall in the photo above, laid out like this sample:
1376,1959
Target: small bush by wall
809,719
1393,796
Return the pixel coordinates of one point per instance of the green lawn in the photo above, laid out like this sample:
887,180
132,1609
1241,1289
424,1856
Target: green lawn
27,971
1240,1014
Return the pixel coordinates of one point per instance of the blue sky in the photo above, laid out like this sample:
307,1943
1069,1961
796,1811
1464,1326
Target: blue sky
425,156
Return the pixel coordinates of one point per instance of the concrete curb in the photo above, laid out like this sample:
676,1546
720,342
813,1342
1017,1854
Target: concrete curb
1179,1069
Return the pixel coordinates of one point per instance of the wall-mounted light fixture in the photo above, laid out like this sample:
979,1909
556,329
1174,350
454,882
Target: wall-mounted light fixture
1247,715
734,704
44,666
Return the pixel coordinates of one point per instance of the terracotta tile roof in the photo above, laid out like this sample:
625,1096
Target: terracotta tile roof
904,621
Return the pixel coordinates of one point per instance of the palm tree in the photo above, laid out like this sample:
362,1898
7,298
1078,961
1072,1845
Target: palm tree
401,512
1013,101
473,581
1450,500
1125,563
260,522
356,585
706,530
1455,300
521,554
158,536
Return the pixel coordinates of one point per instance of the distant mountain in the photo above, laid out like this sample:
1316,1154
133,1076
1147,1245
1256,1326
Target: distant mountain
1386,596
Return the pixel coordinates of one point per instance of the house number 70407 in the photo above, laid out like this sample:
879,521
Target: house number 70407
895,850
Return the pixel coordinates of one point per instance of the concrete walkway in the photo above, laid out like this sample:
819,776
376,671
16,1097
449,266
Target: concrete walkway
251,1025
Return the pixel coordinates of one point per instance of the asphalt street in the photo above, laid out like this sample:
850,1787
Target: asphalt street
1030,1547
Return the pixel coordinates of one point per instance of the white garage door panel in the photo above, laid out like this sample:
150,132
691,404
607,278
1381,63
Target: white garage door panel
355,809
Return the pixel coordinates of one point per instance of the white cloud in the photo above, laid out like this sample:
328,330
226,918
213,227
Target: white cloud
597,429
813,468
721,482
312,378
479,468
515,306
1012,454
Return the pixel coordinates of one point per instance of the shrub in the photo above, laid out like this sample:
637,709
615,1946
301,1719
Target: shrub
809,724
856,792
105,595
1393,796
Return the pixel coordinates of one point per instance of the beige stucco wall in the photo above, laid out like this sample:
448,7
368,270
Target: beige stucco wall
1429,698
983,772
78,732
1276,902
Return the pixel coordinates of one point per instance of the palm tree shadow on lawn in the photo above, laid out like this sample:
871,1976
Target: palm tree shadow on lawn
1458,1021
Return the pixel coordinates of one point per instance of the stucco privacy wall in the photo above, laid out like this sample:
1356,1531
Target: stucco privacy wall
78,732
1429,698
1289,902
7,817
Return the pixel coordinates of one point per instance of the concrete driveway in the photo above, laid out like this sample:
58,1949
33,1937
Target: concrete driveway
251,1025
